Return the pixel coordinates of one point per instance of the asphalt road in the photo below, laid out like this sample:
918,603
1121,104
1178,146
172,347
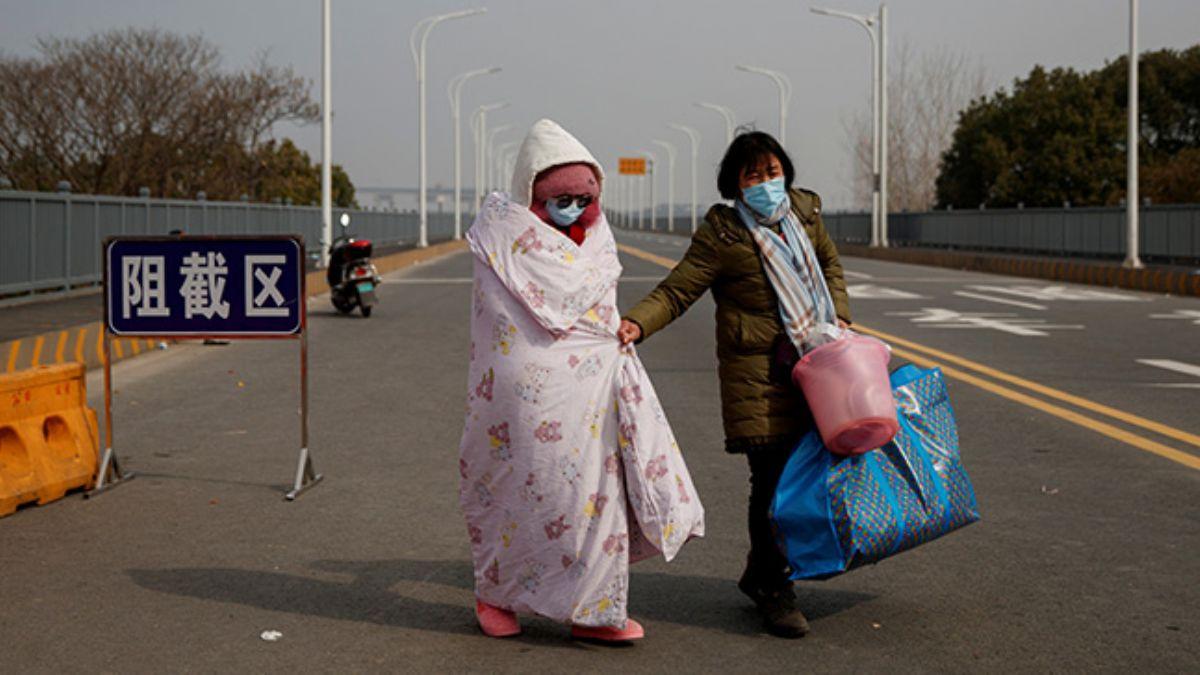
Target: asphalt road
1085,560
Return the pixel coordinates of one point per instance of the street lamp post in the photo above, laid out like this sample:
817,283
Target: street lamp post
694,137
489,153
619,199
727,114
479,124
1132,259
631,201
785,95
612,197
326,136
455,92
510,165
650,176
883,128
502,152
416,42
623,200
640,201
670,182
873,25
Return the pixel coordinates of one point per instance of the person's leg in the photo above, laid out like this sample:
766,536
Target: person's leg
765,580
766,563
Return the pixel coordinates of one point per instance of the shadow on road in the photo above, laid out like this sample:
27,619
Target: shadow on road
716,604
273,487
330,314
376,594
275,591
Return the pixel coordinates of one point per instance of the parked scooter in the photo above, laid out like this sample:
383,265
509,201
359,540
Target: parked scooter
351,275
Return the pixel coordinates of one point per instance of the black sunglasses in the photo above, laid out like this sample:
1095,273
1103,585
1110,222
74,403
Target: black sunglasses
563,201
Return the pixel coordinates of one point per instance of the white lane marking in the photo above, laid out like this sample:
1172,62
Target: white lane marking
1015,303
415,281
873,292
922,280
1185,314
1168,364
938,317
1178,385
855,275
1066,293
466,280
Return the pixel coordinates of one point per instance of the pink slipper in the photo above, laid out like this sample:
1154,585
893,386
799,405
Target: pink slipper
496,622
632,631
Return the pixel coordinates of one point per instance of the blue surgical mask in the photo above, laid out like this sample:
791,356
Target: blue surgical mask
564,216
765,197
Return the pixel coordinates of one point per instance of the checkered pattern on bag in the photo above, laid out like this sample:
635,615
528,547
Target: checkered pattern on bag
887,501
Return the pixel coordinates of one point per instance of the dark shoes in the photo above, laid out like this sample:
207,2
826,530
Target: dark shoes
777,605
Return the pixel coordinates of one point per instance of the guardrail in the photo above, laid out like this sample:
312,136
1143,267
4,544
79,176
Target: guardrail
51,241
1168,233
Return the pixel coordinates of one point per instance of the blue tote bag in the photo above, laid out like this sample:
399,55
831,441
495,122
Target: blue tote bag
832,514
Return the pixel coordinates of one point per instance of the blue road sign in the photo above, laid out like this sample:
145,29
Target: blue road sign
204,285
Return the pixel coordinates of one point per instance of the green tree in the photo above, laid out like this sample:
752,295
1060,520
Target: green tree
284,171
1060,136
123,109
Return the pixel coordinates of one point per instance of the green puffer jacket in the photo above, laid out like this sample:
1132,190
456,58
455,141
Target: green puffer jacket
758,410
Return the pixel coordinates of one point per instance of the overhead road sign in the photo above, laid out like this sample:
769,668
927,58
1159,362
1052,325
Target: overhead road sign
631,166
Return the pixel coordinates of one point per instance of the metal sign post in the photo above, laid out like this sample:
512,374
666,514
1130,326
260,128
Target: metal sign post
232,287
110,474
632,166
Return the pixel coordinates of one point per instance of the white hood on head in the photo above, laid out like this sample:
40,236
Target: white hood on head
546,145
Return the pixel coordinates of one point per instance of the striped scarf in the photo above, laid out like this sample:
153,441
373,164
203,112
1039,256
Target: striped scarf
805,305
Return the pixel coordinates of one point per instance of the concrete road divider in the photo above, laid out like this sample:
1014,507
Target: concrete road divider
48,436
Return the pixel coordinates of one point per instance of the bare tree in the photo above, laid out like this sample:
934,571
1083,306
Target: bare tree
926,92
129,108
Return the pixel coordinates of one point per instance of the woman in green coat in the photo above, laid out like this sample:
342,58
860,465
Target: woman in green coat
764,414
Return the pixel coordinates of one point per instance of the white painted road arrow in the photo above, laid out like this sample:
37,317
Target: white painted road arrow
1178,367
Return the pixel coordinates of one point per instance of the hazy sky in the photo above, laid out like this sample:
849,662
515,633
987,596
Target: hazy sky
613,72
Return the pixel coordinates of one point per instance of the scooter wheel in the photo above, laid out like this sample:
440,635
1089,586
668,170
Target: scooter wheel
366,311
343,307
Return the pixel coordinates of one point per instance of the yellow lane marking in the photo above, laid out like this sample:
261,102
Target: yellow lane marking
116,345
80,342
63,338
100,347
1136,441
12,355
1058,411
1128,418
646,255
137,346
37,350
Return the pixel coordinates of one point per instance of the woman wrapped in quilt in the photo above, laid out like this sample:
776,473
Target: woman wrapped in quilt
569,469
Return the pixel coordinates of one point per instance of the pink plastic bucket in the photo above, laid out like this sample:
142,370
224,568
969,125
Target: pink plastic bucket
848,390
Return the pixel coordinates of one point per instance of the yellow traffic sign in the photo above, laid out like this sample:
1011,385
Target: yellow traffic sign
631,166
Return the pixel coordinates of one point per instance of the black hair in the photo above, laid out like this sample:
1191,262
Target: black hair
747,148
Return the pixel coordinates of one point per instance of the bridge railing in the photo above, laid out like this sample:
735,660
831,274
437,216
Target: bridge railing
51,241
1169,233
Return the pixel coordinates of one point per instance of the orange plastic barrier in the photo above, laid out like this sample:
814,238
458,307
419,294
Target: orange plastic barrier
48,435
